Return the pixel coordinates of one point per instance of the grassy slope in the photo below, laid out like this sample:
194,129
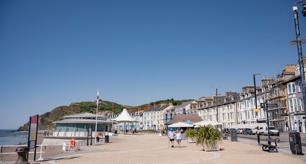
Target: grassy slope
46,119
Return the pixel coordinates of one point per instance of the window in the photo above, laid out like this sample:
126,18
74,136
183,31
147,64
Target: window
289,88
293,88
290,105
295,105
299,87
301,105
210,118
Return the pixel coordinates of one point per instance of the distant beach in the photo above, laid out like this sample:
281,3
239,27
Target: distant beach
12,137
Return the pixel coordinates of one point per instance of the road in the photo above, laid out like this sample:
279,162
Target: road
283,146
284,139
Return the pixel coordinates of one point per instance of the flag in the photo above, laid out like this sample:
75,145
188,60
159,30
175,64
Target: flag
113,108
97,94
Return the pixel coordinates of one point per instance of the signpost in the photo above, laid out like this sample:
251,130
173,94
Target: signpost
266,106
89,135
32,135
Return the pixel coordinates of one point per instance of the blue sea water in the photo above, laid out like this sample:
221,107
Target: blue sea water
9,137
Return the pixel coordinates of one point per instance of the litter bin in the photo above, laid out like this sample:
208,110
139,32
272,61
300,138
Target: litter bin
22,155
234,135
295,143
106,138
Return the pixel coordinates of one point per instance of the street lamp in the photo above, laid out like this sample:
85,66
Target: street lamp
96,133
217,117
300,54
256,109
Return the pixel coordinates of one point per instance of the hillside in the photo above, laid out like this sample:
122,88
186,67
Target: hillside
46,119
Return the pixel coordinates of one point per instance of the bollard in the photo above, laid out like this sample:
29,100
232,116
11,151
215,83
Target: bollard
22,155
41,158
258,139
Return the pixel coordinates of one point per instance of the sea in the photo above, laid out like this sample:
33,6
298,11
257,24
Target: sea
11,137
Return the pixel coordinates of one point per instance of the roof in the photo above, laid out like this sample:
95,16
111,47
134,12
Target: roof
82,121
125,117
184,118
149,109
86,114
157,108
184,104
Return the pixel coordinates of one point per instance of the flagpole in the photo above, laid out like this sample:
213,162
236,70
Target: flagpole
112,117
97,116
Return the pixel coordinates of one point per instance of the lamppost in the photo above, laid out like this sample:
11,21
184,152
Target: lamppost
217,116
217,104
96,134
299,48
256,109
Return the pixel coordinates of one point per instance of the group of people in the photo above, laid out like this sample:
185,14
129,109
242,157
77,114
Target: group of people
177,136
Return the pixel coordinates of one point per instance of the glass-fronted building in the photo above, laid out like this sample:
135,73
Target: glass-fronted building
77,125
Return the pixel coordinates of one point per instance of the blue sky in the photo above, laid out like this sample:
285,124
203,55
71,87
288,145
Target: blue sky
55,52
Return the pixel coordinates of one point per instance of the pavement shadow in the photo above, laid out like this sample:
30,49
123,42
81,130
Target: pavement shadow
180,146
57,159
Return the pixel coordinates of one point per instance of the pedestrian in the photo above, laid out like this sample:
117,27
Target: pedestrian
171,137
178,138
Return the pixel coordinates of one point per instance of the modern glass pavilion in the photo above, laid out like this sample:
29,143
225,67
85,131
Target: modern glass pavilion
77,125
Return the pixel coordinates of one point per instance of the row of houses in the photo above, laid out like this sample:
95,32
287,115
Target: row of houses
236,109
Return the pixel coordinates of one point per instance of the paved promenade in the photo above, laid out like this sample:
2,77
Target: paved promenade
146,148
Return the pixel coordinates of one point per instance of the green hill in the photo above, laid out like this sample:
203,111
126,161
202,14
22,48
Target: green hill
46,119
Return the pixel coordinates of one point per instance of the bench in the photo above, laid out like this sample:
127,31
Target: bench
270,147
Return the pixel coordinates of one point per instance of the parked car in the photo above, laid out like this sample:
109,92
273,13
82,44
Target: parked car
255,130
273,131
247,131
260,130
225,130
239,130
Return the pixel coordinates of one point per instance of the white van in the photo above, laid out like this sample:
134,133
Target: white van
273,131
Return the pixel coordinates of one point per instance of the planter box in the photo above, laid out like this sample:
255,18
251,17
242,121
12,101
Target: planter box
212,148
191,140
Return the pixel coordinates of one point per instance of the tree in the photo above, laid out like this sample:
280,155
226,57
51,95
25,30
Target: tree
207,135
191,133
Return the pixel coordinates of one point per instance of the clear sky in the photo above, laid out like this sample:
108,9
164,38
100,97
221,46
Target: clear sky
54,52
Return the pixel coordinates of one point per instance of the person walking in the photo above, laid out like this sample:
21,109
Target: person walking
178,138
171,137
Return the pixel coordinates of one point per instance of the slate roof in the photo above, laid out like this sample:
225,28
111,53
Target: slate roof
184,118
82,121
86,114
157,108
185,104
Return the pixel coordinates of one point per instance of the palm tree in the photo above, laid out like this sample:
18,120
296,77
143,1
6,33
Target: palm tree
191,133
208,135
